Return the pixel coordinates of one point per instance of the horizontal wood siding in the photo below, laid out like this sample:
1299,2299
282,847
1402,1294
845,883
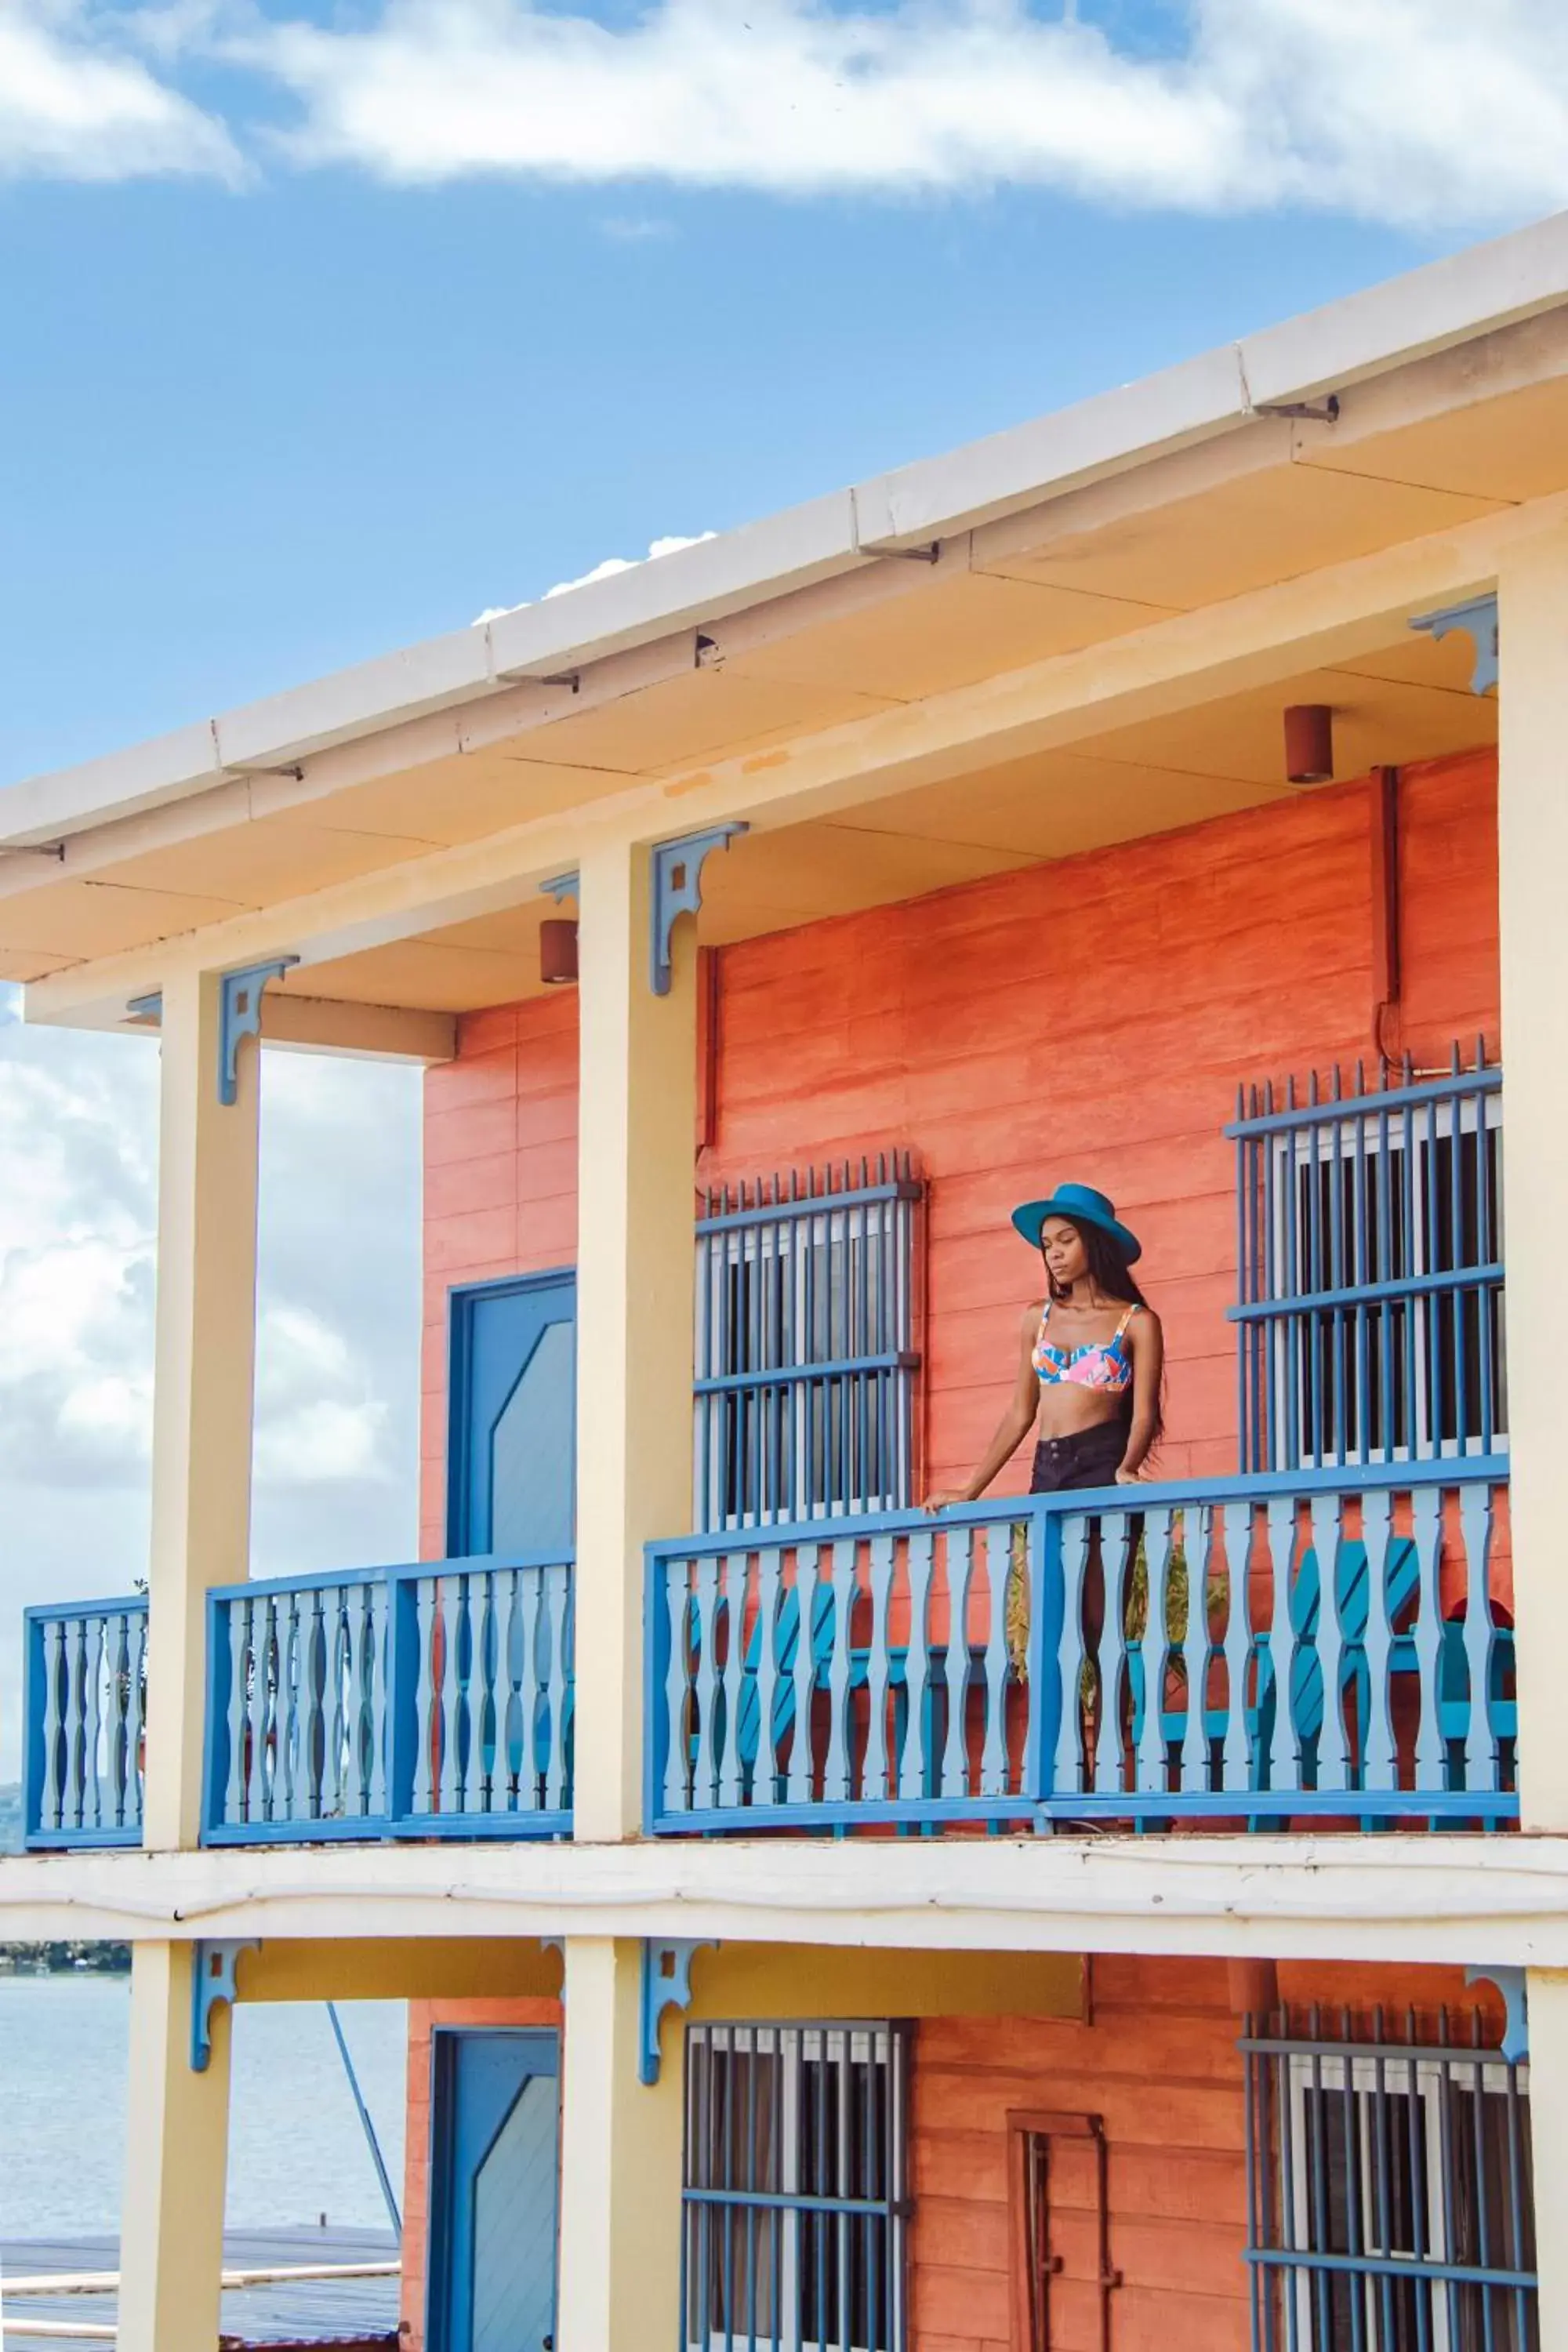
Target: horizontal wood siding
1156,2057
500,1187
1091,1019
1159,2062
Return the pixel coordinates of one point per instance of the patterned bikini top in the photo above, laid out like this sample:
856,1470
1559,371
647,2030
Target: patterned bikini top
1092,1366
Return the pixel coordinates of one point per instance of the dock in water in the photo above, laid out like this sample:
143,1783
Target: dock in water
49,2301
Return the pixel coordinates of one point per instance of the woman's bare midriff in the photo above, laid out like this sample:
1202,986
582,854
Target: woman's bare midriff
1065,1409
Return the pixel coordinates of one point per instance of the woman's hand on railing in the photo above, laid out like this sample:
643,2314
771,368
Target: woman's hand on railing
949,1500
1129,1477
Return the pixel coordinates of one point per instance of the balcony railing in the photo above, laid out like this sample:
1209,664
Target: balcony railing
427,1701
86,1665
1312,1644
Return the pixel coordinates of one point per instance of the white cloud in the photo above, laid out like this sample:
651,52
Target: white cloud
1414,110
78,103
338,1342
606,571
338,1336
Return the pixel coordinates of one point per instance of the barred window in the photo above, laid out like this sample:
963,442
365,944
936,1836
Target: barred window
1391,2198
794,2199
1369,1229
805,1355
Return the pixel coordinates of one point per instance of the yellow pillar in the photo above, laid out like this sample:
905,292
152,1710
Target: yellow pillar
177,2119
203,1385
171,2240
1548,1996
620,2162
635,1213
1532,844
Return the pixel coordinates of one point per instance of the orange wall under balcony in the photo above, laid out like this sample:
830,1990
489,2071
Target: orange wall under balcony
1089,1018
1158,2062
1157,2059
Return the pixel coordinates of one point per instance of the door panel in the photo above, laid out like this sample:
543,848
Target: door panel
514,2226
512,1431
495,2133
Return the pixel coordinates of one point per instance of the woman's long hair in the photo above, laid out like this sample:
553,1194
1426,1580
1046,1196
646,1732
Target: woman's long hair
1113,1278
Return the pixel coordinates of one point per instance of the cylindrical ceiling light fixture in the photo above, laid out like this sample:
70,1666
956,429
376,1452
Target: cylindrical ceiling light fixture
558,953
1309,743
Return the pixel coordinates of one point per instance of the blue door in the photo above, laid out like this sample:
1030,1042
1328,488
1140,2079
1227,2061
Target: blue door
495,2129
512,1435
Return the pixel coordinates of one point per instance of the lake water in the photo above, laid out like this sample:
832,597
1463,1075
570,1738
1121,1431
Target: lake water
296,2146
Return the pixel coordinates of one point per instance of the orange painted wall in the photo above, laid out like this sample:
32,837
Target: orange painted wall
1089,1018
1157,2059
1160,2064
423,2016
500,1186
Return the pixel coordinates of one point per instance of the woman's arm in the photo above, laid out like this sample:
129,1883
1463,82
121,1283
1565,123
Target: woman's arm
1012,1429
1148,1344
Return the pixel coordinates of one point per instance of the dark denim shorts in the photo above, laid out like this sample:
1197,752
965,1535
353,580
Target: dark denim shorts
1090,1457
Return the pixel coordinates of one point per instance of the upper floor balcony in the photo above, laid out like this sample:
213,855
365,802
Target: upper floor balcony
1322,1636
1009,869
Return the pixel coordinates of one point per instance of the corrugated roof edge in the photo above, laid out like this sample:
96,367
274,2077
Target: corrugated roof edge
1445,302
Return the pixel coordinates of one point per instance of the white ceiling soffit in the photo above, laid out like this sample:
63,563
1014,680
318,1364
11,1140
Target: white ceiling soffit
1447,302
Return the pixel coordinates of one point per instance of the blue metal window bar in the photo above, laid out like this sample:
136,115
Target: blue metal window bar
805,1345
794,2188
1369,1239
1390,2196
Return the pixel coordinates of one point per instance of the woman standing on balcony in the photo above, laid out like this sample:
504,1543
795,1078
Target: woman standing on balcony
1091,1354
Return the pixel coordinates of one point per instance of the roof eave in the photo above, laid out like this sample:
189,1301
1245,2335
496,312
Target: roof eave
1445,303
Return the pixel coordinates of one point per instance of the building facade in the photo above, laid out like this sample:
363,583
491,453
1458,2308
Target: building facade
1048,1922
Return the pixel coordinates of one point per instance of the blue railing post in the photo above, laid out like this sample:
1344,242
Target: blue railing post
1047,1617
215,1753
656,1652
403,1697
34,1669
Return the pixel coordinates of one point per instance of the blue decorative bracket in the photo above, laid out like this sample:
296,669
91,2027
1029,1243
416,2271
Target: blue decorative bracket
212,1980
561,887
1477,621
678,890
240,1017
1510,1983
666,1984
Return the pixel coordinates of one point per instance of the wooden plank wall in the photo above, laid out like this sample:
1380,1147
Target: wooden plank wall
1157,2059
500,1186
1091,1019
1160,2064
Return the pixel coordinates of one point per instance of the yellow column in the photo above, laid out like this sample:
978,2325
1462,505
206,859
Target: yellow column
1548,1995
203,1384
620,2162
177,2120
1533,842
636,1212
171,2236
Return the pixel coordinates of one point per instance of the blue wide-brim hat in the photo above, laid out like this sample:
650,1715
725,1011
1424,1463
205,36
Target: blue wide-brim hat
1081,1206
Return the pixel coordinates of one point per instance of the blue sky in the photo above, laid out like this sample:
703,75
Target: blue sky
260,433
355,333
324,327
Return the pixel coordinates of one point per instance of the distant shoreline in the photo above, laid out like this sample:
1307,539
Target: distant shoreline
65,1959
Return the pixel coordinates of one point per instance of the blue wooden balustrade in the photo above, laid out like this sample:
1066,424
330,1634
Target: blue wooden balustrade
997,1664
86,1665
427,1701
